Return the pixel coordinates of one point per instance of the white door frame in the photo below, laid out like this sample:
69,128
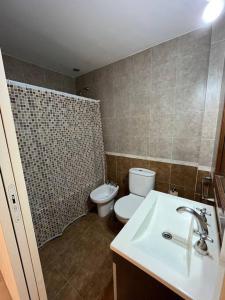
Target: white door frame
14,182
12,269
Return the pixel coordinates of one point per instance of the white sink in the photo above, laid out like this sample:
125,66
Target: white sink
174,252
174,262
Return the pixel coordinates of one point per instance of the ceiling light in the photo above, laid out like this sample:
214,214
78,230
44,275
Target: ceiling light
212,10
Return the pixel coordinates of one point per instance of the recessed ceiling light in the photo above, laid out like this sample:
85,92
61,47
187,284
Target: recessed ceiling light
212,10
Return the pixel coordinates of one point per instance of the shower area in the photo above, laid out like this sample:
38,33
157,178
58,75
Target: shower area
62,152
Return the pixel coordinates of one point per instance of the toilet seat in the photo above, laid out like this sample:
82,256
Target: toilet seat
126,206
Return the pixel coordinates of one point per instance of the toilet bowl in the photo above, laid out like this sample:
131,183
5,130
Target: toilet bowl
141,182
104,196
126,206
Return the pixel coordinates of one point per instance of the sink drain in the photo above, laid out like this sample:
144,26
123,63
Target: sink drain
167,235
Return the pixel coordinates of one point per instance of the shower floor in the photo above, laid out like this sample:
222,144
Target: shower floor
78,264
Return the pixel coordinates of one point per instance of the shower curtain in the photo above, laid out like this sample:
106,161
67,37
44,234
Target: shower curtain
61,147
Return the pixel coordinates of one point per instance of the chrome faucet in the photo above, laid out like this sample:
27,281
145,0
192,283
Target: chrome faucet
200,246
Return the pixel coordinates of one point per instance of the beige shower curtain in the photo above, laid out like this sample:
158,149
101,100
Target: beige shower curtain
62,152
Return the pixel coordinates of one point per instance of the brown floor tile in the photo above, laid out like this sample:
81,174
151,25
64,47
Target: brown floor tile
81,257
54,281
94,276
68,293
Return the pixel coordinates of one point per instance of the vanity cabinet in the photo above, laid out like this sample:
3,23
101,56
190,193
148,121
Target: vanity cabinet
131,283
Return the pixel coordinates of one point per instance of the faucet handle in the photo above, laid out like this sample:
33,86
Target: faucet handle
205,237
209,239
203,211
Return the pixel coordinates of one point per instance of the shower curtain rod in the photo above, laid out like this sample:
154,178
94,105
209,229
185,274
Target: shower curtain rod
39,88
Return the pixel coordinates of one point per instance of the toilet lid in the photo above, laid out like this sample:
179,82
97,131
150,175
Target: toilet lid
126,206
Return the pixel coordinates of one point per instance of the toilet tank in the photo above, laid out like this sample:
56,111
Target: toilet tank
141,181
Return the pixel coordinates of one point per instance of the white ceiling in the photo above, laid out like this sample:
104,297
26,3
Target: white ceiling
88,34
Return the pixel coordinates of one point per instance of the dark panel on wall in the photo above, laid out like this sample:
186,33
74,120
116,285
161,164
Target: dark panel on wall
187,179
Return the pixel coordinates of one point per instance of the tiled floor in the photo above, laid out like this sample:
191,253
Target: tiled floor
78,265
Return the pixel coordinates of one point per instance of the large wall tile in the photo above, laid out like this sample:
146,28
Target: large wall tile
190,98
138,145
192,68
138,125
183,175
35,74
218,32
186,149
209,125
13,68
163,75
206,152
109,126
110,143
216,65
162,100
124,144
123,164
187,124
161,125
165,52
31,74
160,147
158,98
163,171
196,41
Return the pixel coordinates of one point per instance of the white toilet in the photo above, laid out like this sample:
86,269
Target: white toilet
141,182
104,196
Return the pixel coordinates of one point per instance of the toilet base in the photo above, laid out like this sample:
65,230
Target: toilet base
123,221
105,209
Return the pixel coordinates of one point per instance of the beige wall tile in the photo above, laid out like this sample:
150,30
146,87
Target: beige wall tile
187,124
31,74
161,125
198,40
160,147
192,68
158,98
209,125
186,149
190,98
162,100
218,32
206,152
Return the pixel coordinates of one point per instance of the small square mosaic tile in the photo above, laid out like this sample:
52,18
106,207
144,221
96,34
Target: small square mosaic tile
62,152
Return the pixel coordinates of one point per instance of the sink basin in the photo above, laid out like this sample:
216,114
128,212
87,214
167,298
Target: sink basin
174,251
160,241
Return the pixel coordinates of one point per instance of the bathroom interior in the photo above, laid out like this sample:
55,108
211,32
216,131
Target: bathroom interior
119,115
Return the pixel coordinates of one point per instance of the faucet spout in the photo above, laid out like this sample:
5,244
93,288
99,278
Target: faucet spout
202,226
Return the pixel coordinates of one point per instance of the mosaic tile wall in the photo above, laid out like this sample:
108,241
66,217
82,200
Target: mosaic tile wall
62,152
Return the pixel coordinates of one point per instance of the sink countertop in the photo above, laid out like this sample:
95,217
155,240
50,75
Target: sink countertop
174,262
